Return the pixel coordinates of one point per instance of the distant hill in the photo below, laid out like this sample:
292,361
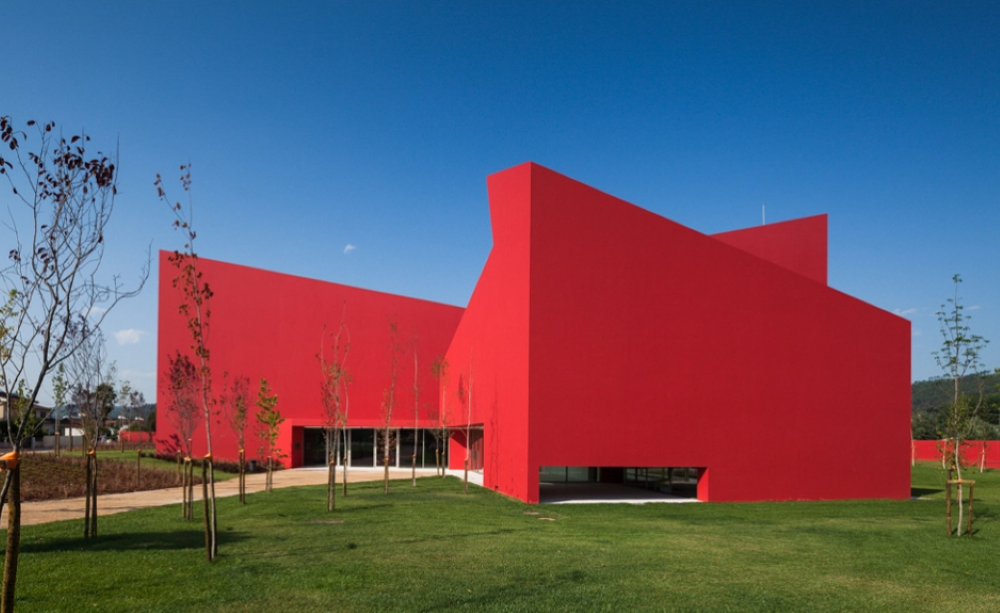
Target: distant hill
932,394
930,399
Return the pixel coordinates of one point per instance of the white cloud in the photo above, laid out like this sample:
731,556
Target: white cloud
904,312
95,311
129,337
349,248
917,333
975,307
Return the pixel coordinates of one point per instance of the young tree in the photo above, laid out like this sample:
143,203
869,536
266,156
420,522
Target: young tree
389,398
196,297
269,422
958,356
468,431
183,412
344,455
94,397
333,389
131,399
123,392
60,390
439,368
55,240
235,403
416,415
134,400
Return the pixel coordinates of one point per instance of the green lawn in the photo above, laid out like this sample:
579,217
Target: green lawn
168,465
434,549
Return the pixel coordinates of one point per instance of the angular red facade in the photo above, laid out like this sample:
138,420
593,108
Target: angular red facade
605,337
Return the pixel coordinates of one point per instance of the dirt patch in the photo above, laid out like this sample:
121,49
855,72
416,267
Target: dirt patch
47,477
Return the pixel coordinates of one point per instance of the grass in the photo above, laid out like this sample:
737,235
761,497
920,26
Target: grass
431,548
149,461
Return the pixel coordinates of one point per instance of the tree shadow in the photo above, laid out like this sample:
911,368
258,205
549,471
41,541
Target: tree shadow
917,492
136,541
457,535
362,507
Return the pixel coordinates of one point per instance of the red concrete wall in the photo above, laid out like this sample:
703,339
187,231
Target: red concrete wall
600,334
270,325
651,344
930,451
136,437
490,347
800,245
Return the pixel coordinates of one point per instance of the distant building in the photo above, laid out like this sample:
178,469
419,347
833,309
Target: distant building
602,343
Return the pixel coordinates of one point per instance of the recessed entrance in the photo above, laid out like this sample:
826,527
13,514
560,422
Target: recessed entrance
681,481
362,451
313,447
637,485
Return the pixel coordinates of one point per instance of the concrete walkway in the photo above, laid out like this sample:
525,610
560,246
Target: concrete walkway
44,511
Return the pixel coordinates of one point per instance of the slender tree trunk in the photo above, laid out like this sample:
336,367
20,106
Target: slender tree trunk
93,498
13,486
413,471
331,485
138,468
187,491
184,492
437,461
243,477
208,512
189,476
88,481
343,490
214,550
466,486
958,473
385,462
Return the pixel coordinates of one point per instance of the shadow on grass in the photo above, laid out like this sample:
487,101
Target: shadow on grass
171,541
458,535
917,492
344,508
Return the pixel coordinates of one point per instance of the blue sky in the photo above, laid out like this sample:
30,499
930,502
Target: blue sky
314,126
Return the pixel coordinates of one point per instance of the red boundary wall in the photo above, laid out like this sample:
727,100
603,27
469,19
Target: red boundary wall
136,437
930,451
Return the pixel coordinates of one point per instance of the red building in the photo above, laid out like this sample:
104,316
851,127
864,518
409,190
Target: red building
601,343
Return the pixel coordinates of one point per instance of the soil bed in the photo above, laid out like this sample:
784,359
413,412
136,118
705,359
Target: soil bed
47,477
